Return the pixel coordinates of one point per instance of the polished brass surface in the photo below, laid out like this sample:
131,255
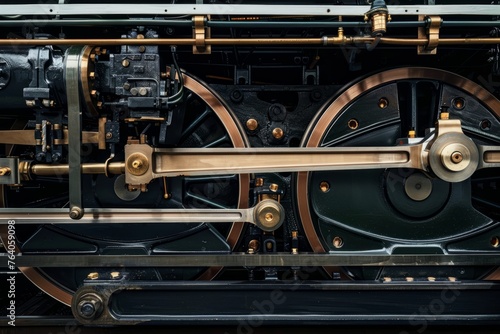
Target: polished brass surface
432,34
269,215
278,133
273,187
137,164
220,161
26,168
492,157
27,137
337,40
252,124
441,157
200,34
418,186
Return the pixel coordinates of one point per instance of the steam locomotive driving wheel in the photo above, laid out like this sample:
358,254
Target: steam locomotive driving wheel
208,123
402,211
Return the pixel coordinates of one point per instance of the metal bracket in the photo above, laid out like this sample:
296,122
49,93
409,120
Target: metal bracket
431,32
200,33
74,132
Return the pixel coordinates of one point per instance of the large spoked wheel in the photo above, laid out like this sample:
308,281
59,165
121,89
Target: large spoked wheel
208,123
401,211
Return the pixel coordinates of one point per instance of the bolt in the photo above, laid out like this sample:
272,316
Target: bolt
93,93
142,49
99,105
115,275
259,182
125,62
5,171
269,216
412,134
278,133
324,186
90,306
126,86
143,91
253,245
383,103
236,96
444,115
92,57
87,309
92,75
273,187
40,157
457,157
56,157
137,164
252,124
75,213
134,91
93,275
109,135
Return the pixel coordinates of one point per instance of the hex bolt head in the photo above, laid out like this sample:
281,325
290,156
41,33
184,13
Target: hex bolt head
87,309
90,306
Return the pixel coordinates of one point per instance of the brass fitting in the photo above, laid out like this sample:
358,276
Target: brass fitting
378,15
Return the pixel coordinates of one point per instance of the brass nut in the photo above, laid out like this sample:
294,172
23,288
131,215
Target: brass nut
92,75
412,134
109,135
253,245
259,182
444,115
125,63
137,164
273,187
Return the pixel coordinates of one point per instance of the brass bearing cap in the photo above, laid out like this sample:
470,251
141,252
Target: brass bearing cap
137,164
269,215
453,157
